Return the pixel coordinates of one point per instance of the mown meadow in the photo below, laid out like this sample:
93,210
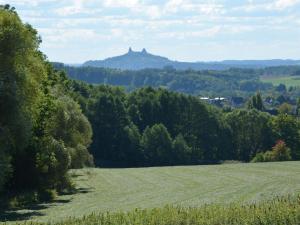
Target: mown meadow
226,187
276,212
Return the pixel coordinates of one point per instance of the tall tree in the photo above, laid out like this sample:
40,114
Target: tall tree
157,145
256,102
286,128
252,132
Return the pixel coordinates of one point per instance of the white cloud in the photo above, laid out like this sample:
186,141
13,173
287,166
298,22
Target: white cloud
32,3
59,36
77,7
204,33
277,5
283,4
173,6
121,3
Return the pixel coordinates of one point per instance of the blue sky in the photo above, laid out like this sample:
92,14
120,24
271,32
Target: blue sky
74,31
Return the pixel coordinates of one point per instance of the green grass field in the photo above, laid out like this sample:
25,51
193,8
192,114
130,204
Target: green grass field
125,189
286,80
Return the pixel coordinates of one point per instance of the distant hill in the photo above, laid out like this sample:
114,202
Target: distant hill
133,60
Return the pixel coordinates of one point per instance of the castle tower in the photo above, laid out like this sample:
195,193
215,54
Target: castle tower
144,51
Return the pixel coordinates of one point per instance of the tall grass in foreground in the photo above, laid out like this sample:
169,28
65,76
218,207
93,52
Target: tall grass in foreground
279,211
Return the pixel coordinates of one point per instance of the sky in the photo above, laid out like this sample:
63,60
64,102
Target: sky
74,31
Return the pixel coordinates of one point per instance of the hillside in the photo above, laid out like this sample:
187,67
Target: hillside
133,60
102,190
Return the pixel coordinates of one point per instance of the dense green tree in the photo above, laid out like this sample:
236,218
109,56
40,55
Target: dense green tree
52,161
251,131
5,169
181,151
20,75
157,145
281,88
298,107
147,107
285,108
256,102
131,142
109,118
69,124
39,122
286,128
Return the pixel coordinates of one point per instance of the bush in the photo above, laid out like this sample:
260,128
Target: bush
21,199
280,152
47,195
260,157
80,157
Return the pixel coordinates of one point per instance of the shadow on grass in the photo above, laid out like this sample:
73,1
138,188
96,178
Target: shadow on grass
78,191
34,210
16,216
74,175
84,190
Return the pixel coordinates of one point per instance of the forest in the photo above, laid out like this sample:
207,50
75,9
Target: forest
50,123
234,82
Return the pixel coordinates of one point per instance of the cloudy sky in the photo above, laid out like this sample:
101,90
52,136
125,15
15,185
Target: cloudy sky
74,31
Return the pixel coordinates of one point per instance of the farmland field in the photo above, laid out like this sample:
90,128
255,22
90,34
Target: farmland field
114,190
286,80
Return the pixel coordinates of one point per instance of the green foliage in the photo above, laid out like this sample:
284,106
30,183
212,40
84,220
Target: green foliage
52,162
80,157
181,150
227,83
47,195
280,152
132,140
286,128
256,102
157,145
69,124
39,122
18,74
285,108
5,169
260,157
210,134
252,132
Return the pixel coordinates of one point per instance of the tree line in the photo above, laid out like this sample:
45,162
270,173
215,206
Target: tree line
231,82
155,127
226,83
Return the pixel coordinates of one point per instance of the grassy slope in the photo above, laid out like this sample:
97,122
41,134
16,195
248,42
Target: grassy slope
125,189
287,80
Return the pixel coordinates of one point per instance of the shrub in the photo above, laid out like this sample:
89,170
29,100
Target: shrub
22,199
80,157
260,157
47,195
280,152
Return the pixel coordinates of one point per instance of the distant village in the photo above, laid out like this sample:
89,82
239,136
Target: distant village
272,106
221,101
